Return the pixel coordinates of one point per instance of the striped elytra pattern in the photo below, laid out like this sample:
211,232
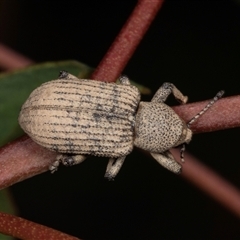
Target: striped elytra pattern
82,117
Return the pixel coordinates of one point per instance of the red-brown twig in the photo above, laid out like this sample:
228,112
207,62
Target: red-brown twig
17,163
24,229
127,41
210,182
10,59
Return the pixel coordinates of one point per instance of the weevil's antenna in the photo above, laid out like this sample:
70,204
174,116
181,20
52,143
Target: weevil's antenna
217,97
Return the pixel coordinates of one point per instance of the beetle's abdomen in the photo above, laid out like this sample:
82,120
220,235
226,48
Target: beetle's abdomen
82,117
158,128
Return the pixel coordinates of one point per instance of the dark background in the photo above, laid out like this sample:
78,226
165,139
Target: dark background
195,45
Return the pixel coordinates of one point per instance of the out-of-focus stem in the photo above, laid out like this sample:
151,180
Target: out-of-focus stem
210,182
10,59
22,159
127,41
24,229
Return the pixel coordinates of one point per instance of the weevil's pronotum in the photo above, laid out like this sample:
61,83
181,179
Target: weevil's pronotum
80,117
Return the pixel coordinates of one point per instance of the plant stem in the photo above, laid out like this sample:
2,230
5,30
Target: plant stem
24,229
12,60
210,182
123,47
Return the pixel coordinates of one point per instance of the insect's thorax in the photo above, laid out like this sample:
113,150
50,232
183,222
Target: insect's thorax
158,128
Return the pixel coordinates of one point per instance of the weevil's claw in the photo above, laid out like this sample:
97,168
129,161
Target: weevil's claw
63,74
183,148
124,80
113,167
109,177
54,167
68,161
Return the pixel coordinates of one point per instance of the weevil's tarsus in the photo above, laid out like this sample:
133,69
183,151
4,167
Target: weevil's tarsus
66,75
124,80
54,166
167,160
67,160
113,167
179,96
70,160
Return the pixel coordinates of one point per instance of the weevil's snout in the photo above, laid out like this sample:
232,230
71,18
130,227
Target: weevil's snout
186,136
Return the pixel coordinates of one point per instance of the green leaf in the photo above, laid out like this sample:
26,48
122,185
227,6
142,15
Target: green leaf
16,86
5,237
6,204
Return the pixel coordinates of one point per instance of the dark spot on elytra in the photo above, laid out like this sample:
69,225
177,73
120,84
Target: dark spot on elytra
113,109
70,145
85,126
88,96
99,106
115,89
97,117
110,118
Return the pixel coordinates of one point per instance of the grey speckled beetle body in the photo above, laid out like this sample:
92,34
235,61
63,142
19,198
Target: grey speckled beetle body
79,117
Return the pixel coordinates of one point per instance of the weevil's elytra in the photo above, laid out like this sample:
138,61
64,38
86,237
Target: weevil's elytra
80,117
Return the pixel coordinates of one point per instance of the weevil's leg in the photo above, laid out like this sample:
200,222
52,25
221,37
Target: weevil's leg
164,91
66,75
166,160
67,160
70,160
124,80
182,150
54,166
113,167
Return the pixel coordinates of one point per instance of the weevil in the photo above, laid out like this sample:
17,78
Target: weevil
81,117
